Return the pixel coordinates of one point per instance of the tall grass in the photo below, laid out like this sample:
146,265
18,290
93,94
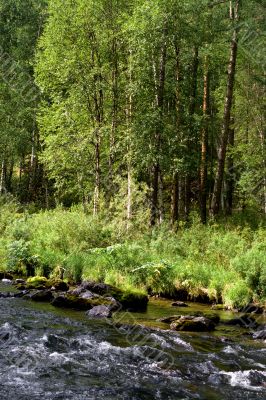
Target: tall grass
227,260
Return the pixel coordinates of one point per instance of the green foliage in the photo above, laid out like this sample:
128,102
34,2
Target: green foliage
236,294
227,263
20,259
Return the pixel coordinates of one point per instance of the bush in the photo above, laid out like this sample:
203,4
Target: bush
19,258
236,294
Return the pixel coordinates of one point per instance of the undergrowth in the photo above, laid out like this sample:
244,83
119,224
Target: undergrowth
226,259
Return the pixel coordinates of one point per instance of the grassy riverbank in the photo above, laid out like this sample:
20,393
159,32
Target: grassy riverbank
226,261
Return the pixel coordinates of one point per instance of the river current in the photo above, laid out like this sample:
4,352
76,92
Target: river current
54,354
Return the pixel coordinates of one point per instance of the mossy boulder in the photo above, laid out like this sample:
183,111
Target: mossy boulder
57,284
41,283
78,303
129,300
40,295
36,282
190,323
21,286
210,315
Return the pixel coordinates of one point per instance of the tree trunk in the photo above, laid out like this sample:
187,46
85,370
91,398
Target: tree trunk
262,142
204,145
97,174
192,108
159,105
175,181
110,189
216,198
174,199
2,178
9,176
230,179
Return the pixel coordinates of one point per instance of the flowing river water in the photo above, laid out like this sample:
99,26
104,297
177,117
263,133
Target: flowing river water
54,354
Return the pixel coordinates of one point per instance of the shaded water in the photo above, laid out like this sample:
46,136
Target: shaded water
48,353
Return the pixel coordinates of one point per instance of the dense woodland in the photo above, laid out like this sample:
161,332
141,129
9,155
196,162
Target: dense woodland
144,113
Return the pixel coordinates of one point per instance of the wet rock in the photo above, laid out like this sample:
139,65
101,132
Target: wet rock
6,295
71,301
21,286
260,334
126,300
7,281
87,294
179,304
37,282
77,291
57,284
41,283
169,320
21,293
100,312
96,287
193,324
244,321
20,281
114,305
132,301
212,316
78,303
40,295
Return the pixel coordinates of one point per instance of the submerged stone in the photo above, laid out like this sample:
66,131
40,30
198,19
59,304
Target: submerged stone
260,334
179,304
244,321
169,320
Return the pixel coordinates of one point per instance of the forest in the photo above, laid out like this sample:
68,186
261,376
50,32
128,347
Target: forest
133,144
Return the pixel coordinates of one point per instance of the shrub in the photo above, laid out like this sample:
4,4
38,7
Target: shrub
236,294
19,259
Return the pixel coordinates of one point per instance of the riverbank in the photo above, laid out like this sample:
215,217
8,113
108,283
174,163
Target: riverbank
102,301
221,263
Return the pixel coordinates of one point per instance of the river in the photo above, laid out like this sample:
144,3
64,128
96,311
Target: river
48,353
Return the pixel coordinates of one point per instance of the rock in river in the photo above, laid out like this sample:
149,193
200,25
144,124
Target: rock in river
100,312
193,324
179,304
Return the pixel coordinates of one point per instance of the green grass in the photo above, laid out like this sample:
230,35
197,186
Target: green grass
226,259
